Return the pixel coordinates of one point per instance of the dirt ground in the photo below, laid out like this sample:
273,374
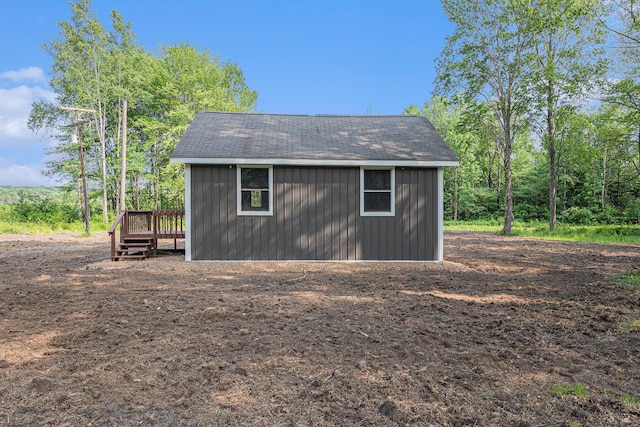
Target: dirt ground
483,339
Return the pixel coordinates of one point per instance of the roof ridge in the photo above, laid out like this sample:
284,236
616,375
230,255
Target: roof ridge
308,115
241,113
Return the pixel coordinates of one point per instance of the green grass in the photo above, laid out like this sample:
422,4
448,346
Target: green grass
630,400
14,227
476,225
631,278
577,390
611,234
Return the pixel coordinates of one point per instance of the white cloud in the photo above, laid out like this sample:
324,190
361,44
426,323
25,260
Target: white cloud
24,175
22,150
15,107
34,74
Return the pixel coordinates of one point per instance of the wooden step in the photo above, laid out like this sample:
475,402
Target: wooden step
133,249
139,257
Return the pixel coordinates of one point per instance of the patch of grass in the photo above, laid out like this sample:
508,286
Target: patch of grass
611,234
633,326
17,227
631,400
577,390
477,225
631,278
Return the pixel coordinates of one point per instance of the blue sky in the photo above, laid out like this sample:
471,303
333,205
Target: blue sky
303,57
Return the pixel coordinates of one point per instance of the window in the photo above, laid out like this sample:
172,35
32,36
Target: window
255,190
377,192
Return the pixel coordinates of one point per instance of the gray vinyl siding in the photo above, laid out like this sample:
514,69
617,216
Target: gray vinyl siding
315,217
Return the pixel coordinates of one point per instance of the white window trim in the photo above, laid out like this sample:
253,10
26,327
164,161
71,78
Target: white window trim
392,212
239,191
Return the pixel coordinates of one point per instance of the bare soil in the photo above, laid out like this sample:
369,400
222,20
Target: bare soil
482,339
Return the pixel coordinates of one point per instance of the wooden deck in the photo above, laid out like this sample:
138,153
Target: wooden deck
139,232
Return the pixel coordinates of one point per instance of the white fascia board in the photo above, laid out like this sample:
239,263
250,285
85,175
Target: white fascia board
187,212
440,218
311,162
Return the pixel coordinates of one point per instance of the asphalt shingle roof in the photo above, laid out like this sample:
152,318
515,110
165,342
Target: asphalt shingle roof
404,138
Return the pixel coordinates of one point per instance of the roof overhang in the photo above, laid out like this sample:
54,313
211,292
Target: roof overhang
313,162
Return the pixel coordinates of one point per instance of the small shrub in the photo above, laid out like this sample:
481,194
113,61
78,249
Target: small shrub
577,215
32,209
632,212
608,216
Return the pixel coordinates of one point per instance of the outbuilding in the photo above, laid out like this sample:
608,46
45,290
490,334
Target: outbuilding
268,187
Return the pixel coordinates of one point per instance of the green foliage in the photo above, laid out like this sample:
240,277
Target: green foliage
632,212
578,215
47,211
598,179
41,210
98,67
10,195
478,203
540,60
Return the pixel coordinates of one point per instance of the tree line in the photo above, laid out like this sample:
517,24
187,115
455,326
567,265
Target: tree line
117,85
540,99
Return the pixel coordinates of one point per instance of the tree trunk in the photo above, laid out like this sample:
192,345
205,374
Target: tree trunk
553,189
101,128
455,194
79,199
123,170
553,172
508,193
156,173
499,177
85,192
603,190
103,158
637,165
564,186
507,150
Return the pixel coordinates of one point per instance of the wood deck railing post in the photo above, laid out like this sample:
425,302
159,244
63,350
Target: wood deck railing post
113,246
155,233
112,233
125,223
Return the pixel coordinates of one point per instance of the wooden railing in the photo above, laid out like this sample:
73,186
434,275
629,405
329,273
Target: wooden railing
155,224
168,224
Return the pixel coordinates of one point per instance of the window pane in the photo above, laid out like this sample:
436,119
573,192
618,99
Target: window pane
255,200
377,202
254,177
377,179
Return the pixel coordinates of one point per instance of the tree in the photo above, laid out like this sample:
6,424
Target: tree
484,58
565,62
465,183
80,77
99,69
182,82
623,94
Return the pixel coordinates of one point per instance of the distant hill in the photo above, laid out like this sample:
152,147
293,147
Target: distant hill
10,195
